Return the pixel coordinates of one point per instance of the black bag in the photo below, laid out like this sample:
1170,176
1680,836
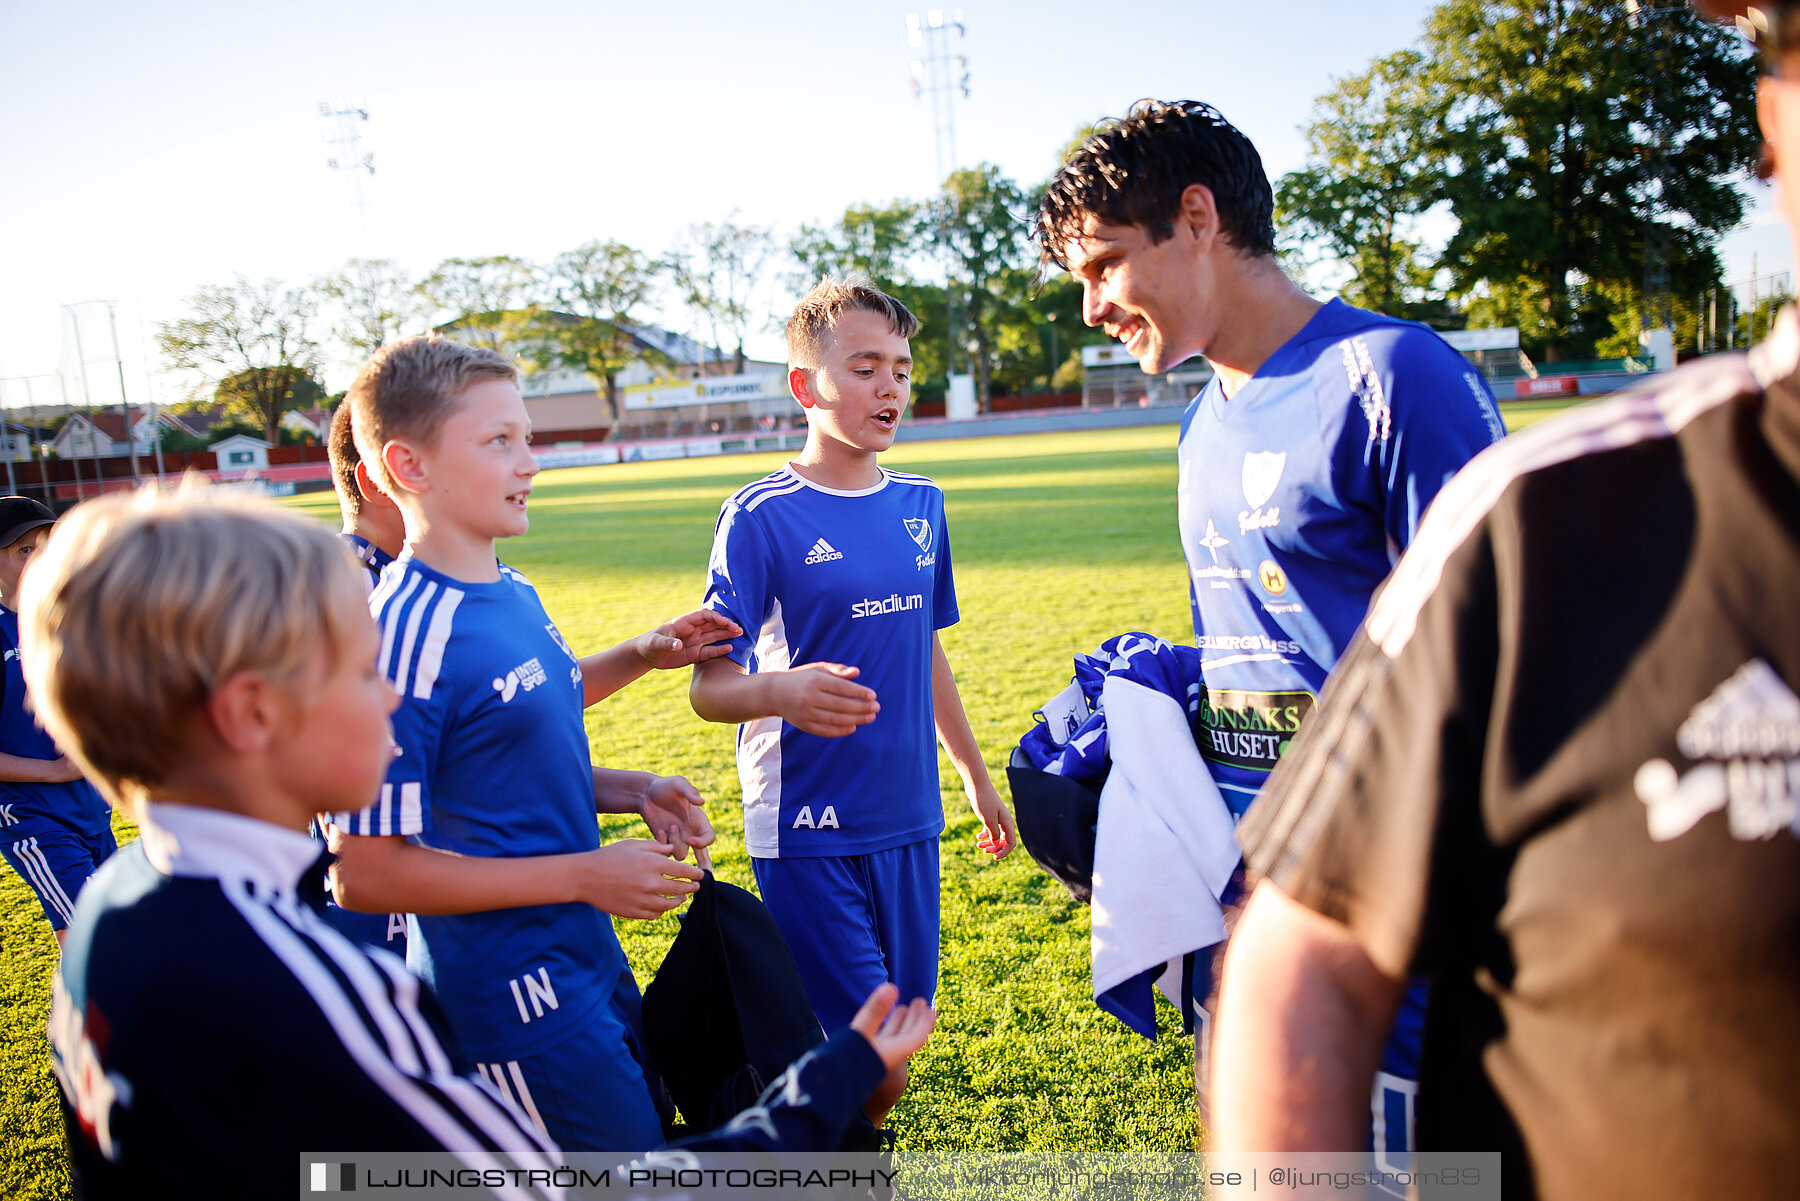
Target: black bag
727,1012
1056,817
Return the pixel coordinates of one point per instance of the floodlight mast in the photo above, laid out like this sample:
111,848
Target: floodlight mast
345,118
941,74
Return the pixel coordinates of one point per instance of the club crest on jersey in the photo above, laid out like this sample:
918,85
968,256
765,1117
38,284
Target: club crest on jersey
527,675
920,529
556,636
823,552
1746,739
1262,473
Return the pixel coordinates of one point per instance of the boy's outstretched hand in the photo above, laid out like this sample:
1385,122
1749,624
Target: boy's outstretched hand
686,640
635,878
998,835
823,699
672,810
894,1033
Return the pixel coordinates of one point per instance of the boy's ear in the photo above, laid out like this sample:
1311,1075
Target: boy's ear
800,384
371,491
245,712
405,466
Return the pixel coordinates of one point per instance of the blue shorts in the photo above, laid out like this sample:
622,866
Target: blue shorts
56,864
588,1092
855,921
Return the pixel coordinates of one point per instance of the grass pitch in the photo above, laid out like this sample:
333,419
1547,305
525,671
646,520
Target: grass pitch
1059,541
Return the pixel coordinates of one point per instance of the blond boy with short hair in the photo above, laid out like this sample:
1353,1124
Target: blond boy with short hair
484,831
211,665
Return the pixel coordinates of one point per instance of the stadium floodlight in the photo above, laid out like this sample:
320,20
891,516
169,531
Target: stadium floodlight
936,18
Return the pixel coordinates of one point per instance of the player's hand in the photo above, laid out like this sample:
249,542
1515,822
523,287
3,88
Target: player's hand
894,1033
672,810
823,699
998,835
636,878
686,640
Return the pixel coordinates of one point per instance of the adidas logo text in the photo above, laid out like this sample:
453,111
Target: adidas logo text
822,552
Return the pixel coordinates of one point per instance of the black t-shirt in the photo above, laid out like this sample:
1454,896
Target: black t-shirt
1559,771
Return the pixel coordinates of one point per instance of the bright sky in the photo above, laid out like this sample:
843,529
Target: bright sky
146,149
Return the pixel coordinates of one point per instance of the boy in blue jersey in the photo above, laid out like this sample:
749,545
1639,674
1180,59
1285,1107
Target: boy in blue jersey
375,533
55,828
210,661
484,832
372,523
1307,461
838,570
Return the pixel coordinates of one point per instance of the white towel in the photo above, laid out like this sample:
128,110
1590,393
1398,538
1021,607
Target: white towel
1164,848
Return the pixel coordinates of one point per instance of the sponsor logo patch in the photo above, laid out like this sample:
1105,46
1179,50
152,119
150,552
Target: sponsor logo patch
823,552
1213,540
1249,729
527,675
877,607
1271,577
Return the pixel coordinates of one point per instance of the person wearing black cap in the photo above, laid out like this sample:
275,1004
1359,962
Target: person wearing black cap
55,828
1559,770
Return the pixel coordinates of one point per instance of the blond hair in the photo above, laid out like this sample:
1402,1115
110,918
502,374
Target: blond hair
143,604
819,311
407,389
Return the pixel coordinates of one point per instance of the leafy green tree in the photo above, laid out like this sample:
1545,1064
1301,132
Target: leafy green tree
489,300
375,302
243,396
598,289
979,222
253,333
717,270
882,242
1541,116
1367,179
878,242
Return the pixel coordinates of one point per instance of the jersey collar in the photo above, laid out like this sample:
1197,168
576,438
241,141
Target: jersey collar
186,840
877,486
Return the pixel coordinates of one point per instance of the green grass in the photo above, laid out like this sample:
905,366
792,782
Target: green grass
1059,541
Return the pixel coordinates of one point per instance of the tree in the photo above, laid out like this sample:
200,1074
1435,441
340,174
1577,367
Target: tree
1545,138
598,288
978,222
717,269
877,242
488,299
252,332
1367,179
882,242
244,394
375,300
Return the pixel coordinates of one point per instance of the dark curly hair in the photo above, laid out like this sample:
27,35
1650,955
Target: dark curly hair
1134,170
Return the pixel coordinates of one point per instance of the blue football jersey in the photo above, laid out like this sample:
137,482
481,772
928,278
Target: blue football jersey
1296,497
373,558
493,762
27,809
860,578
